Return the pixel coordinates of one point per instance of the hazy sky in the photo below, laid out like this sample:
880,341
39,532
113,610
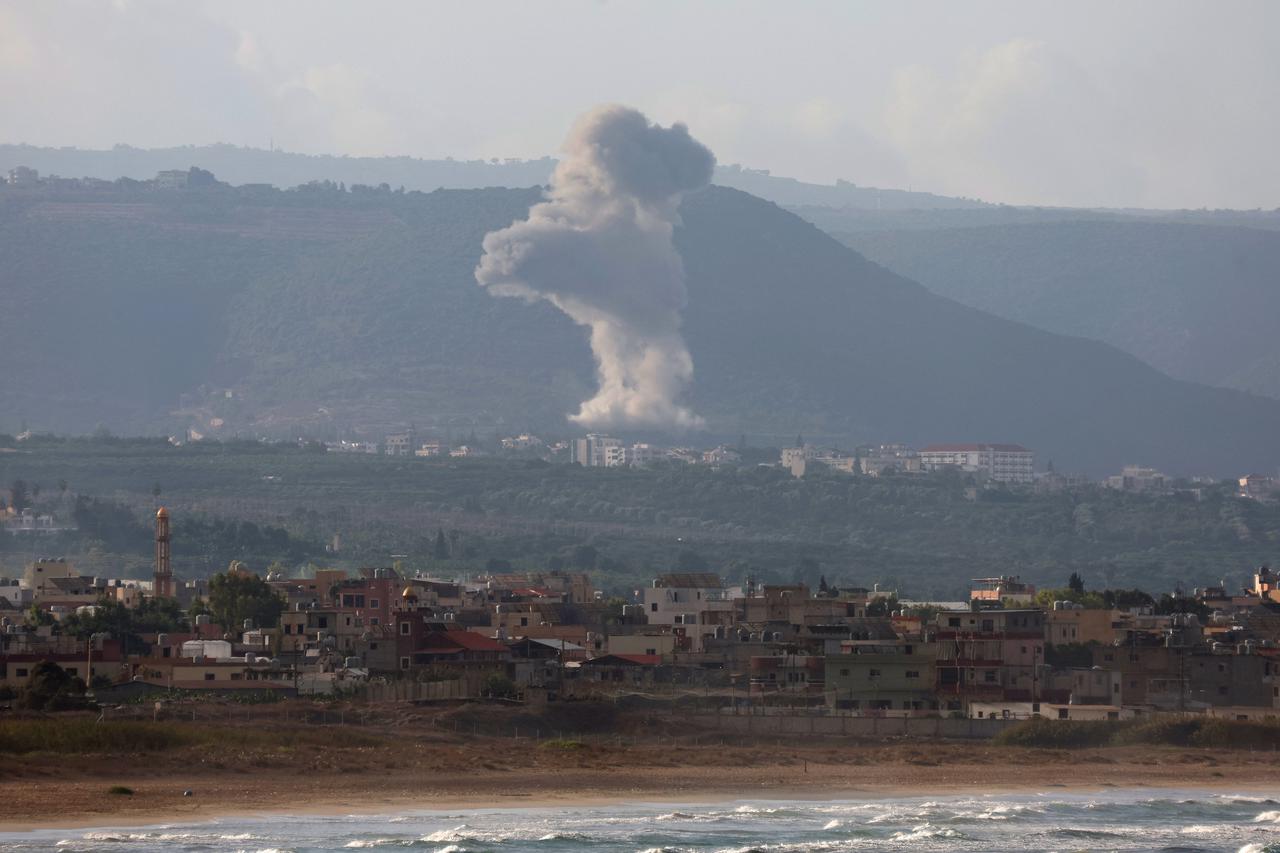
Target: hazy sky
1162,104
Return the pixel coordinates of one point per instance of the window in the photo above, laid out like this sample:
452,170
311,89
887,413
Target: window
359,601
650,651
524,621
374,620
322,621
21,673
373,647
989,676
988,625
404,662
348,601
845,672
1222,691
912,673
288,629
404,628
209,676
1062,713
654,607
237,676
71,670
373,604
874,673
953,622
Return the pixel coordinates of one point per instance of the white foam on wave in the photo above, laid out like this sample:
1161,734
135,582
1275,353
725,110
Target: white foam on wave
1200,829
832,824
1268,817
371,842
923,831
454,834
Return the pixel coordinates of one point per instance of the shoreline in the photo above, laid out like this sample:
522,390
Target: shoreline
159,802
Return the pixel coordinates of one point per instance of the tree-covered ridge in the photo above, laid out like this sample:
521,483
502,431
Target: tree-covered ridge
326,310
925,535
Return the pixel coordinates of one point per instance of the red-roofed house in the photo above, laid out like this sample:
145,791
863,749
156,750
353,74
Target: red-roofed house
1004,463
454,647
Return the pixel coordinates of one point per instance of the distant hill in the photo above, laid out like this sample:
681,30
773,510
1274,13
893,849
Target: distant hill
237,165
318,311
1200,302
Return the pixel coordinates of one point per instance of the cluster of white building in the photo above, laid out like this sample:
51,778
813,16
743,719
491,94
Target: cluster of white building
603,451
1003,463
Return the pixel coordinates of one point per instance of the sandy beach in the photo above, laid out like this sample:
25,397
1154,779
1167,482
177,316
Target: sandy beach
419,773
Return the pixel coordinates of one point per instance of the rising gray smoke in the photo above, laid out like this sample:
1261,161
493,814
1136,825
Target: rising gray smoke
599,249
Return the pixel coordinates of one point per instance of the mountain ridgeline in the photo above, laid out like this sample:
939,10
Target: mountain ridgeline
1197,301
316,311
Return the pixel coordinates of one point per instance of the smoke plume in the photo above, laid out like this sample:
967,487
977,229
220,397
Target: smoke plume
599,249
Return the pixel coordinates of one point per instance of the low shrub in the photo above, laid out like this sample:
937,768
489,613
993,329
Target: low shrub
120,790
563,744
1184,731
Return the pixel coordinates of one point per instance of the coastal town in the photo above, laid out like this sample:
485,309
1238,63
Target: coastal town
1010,652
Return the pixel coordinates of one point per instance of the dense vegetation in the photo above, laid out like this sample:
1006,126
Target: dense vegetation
323,312
922,535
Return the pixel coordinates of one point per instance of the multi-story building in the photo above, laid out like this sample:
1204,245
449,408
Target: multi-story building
882,675
1135,478
400,444
886,458
594,450
694,604
22,176
1258,487
989,655
1003,463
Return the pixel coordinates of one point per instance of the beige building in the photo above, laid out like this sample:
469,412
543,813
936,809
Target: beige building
1004,463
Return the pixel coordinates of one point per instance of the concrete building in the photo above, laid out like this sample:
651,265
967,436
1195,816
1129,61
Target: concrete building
595,450
400,444
693,604
1258,487
1003,463
1135,478
888,458
882,675
989,655
22,176
1010,591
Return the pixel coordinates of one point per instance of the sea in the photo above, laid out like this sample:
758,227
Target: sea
1172,821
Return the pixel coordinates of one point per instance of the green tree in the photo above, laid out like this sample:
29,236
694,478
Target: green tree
37,617
441,551
51,688
585,557
110,617
237,595
691,561
1075,583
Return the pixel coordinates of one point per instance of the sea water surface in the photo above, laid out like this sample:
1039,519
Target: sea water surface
1167,820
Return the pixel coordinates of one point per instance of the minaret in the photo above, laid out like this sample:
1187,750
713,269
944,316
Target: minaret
163,586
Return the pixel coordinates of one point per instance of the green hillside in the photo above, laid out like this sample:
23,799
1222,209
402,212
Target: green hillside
1199,302
320,311
924,535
